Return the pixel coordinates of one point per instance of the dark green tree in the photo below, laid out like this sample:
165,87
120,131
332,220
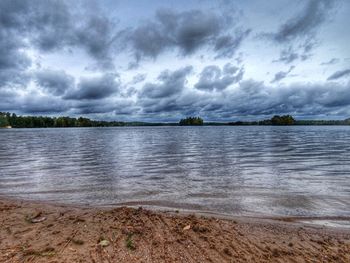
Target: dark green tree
3,121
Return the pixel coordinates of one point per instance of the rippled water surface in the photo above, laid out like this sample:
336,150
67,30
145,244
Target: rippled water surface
253,170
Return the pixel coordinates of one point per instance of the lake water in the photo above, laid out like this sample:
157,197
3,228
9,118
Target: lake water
241,170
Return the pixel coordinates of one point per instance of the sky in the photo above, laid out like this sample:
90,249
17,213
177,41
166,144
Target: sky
156,60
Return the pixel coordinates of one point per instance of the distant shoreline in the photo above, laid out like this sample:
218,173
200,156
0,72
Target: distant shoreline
176,125
14,121
40,231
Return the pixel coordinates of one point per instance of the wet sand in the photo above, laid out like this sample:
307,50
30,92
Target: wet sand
41,232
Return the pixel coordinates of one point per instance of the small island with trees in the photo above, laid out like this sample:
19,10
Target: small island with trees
194,121
8,120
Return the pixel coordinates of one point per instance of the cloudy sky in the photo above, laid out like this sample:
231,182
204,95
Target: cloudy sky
155,60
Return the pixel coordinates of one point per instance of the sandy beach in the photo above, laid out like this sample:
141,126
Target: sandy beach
41,232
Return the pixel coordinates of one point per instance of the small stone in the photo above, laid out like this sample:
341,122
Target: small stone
188,227
104,243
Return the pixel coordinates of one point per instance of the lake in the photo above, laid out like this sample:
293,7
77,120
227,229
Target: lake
237,170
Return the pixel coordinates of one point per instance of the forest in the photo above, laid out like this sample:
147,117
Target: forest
8,119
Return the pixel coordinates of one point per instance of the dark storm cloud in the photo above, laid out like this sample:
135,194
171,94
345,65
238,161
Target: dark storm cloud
227,45
41,104
49,26
164,106
56,25
164,96
339,74
190,30
93,106
112,106
287,56
138,78
33,103
302,52
330,62
56,82
97,36
306,22
299,32
12,58
213,78
13,78
95,88
254,99
170,83
125,107
7,99
281,75
245,99
185,31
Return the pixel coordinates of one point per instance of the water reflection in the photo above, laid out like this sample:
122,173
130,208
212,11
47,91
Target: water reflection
236,170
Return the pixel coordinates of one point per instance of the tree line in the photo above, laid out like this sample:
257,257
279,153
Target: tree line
275,120
8,119
289,120
12,120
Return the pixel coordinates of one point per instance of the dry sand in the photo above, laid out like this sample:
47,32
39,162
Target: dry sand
38,232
